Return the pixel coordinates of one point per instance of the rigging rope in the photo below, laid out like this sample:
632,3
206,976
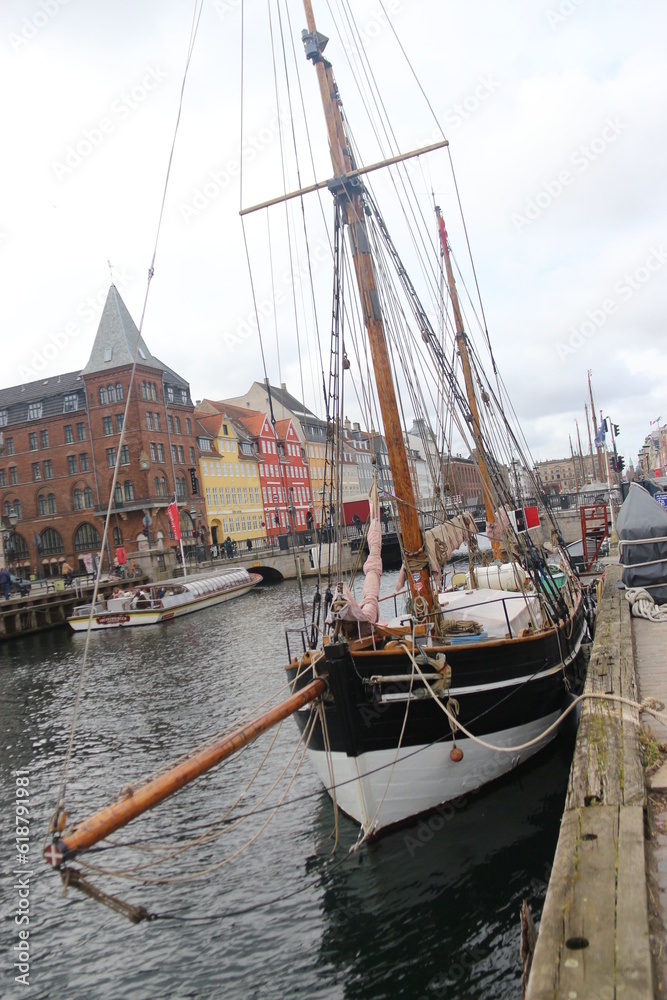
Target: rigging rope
60,804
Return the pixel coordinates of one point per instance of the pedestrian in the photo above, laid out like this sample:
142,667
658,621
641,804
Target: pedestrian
5,581
67,572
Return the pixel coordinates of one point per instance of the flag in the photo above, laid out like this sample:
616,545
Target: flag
599,437
172,514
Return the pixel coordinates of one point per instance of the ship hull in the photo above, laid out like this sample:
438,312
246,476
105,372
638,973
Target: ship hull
384,749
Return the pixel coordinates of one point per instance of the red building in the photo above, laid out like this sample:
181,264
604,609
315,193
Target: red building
61,438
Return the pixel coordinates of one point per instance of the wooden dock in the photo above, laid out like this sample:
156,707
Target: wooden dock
594,939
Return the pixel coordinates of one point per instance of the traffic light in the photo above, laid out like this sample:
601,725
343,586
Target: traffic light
616,430
620,463
613,463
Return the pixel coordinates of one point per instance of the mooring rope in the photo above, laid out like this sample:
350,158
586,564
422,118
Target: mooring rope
650,705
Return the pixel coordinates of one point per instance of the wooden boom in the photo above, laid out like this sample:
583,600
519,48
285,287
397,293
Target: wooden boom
118,814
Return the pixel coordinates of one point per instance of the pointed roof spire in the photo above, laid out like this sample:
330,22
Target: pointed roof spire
116,339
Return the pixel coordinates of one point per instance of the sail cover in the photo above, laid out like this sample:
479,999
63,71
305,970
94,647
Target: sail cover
641,528
444,539
344,606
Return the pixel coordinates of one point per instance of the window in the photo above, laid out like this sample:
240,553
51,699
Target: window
41,505
51,503
3,477
215,495
81,432
119,423
78,499
32,441
158,426
44,439
71,402
153,452
111,395
144,394
34,411
71,465
177,424
180,487
48,469
160,451
88,497
170,394
69,434
36,472
234,495
128,490
83,461
103,396
107,426
174,454
111,457
188,425
208,495
192,456
125,455
170,423
118,495
4,417
9,445
149,420
17,509
117,538
51,542
119,392
160,486
227,498
87,537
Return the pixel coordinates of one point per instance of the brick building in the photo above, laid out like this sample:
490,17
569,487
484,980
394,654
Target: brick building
60,440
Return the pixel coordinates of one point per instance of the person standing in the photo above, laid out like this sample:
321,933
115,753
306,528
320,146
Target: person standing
5,581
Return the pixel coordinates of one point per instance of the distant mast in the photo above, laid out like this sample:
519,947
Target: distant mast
349,197
462,347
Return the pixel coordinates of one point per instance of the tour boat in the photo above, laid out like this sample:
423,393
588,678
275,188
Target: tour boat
154,603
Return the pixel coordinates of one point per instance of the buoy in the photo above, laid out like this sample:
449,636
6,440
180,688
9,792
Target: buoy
456,754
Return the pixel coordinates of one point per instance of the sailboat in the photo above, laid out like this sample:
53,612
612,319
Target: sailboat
466,684
401,712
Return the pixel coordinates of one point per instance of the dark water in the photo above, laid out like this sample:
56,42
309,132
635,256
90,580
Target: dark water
431,910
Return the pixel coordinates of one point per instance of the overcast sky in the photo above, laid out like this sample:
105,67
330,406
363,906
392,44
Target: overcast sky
555,112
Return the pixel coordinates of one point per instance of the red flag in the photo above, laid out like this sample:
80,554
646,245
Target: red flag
172,514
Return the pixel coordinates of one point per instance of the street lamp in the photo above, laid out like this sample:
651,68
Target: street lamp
8,539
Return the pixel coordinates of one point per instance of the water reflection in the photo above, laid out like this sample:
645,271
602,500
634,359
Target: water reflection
431,910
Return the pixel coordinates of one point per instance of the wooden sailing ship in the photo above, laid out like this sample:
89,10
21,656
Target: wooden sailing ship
405,714
415,717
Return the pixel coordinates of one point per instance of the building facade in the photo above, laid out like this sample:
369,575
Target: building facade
72,443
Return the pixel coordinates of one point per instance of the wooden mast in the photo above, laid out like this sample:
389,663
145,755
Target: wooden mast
462,346
350,198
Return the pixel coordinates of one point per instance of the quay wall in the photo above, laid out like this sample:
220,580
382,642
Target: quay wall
593,937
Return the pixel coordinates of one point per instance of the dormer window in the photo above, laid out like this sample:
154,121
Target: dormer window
35,410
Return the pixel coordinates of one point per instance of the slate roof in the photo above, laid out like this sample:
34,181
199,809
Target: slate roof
116,340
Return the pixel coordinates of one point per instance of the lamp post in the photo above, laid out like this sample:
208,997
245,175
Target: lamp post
9,547
277,515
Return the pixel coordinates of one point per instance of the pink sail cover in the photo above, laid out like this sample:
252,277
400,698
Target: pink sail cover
368,609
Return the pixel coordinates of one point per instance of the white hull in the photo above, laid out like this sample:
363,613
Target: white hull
112,614
384,787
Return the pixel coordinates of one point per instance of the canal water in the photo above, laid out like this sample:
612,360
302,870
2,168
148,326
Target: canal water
428,911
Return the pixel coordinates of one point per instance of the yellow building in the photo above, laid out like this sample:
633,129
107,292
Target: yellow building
228,463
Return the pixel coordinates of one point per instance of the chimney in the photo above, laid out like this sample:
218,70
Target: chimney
283,386
356,426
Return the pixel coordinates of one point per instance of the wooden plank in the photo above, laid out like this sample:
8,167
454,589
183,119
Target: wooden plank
591,915
576,943
634,786
544,974
634,976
